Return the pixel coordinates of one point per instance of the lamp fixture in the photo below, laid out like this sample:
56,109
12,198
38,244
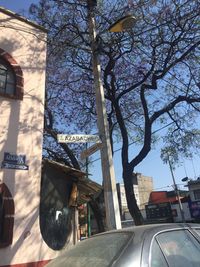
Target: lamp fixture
123,24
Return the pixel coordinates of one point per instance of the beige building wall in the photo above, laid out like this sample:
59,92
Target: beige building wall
21,131
145,187
122,197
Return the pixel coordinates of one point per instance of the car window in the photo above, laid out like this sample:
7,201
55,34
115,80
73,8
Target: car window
198,231
180,248
99,251
157,258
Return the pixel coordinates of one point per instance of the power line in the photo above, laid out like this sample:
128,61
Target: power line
142,190
140,139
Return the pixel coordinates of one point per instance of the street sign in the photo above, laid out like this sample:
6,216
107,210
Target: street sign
78,138
90,150
6,165
14,161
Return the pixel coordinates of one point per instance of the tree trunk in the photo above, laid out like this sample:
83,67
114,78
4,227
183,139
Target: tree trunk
97,214
130,197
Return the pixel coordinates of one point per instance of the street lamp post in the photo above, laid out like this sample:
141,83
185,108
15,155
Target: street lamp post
113,220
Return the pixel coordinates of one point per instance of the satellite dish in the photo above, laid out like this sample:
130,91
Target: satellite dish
185,179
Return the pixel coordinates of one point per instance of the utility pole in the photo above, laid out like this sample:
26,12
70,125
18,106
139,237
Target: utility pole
176,191
113,220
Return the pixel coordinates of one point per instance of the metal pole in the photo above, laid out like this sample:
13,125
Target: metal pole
113,220
88,220
177,192
88,205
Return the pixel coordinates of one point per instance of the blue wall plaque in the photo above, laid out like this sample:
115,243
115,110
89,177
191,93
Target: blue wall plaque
13,161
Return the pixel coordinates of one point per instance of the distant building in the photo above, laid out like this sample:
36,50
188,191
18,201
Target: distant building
163,206
143,186
122,199
194,190
166,196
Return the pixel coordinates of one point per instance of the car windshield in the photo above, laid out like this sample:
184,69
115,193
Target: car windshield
98,251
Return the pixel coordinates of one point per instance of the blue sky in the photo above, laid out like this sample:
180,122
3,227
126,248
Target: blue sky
152,165
17,6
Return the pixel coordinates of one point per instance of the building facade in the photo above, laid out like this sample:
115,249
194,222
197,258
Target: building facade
143,186
164,206
22,85
194,204
122,199
194,189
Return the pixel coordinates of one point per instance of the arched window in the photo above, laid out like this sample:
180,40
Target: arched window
6,216
7,78
11,77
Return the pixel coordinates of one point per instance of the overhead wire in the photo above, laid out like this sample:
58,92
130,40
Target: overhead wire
134,142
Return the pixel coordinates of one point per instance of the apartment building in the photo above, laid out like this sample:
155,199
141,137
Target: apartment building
142,186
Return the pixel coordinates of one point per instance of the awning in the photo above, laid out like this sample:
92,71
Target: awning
87,188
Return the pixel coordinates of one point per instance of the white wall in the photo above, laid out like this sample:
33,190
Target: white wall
185,210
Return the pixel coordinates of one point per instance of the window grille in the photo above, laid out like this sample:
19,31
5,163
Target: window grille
7,78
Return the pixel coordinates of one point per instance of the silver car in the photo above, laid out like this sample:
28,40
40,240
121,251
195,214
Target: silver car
158,245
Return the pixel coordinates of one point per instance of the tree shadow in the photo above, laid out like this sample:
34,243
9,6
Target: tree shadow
21,134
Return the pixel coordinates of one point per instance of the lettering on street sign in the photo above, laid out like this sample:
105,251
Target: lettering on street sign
14,161
78,138
91,150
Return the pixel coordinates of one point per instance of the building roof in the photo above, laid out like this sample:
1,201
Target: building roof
86,187
191,182
173,193
21,18
166,196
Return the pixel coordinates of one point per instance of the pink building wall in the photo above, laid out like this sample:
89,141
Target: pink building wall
21,131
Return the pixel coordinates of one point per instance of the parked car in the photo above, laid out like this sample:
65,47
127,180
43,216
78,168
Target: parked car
158,245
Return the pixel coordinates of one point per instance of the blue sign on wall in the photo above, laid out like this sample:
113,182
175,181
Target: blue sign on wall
13,161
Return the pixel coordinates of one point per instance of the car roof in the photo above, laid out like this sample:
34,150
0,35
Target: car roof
156,226
140,231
